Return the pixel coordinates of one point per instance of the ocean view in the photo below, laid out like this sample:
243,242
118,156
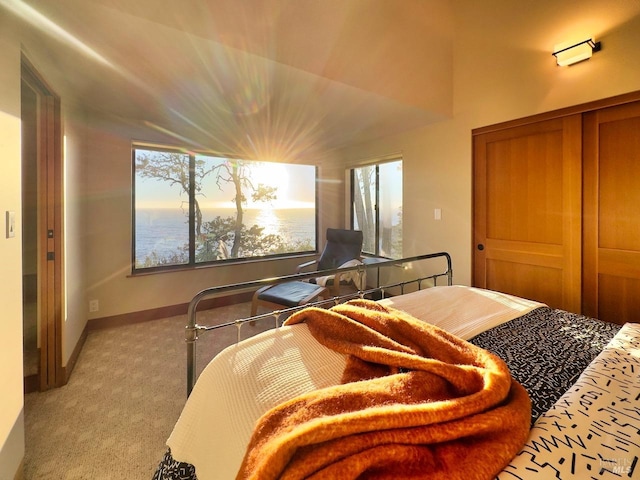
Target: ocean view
164,231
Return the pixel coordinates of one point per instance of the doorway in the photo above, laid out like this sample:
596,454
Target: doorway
42,233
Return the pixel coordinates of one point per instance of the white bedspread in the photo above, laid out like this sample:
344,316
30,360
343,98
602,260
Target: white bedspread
247,379
463,311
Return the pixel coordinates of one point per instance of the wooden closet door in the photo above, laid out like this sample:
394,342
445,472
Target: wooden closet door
527,211
611,288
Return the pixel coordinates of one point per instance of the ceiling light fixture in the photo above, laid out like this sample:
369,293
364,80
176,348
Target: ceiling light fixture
575,53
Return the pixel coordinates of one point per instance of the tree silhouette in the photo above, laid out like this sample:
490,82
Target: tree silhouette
236,172
213,237
381,226
364,182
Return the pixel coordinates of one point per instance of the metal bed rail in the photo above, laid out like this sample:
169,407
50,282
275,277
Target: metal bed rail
192,329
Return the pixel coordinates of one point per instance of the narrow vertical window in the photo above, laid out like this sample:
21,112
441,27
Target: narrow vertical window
377,207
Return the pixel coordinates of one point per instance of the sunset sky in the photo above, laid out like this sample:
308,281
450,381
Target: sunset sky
295,186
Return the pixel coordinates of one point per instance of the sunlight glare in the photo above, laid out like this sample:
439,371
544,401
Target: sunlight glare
276,176
49,27
35,18
268,220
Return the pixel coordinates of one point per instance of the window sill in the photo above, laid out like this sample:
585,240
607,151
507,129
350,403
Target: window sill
223,263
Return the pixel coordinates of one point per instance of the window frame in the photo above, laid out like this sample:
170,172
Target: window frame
191,194
352,190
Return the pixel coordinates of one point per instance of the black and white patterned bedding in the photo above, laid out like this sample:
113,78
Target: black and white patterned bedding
593,430
545,349
170,469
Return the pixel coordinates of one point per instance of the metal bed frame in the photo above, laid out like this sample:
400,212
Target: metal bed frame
192,329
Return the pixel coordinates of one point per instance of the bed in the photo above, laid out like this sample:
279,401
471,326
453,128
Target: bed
582,377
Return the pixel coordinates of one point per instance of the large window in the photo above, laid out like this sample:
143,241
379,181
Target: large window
192,208
376,199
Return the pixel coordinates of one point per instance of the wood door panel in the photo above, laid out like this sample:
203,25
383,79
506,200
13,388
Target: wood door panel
547,255
535,282
619,262
524,188
618,299
527,211
619,185
611,245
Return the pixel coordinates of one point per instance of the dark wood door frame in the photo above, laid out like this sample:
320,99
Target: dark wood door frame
50,232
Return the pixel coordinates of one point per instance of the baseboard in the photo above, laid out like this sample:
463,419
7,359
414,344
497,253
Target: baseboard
145,316
20,472
164,312
68,368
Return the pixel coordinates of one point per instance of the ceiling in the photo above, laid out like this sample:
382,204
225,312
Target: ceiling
275,78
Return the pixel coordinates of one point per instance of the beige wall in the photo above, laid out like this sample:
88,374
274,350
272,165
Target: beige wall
74,316
503,70
11,397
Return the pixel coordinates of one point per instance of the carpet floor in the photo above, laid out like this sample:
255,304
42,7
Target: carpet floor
125,394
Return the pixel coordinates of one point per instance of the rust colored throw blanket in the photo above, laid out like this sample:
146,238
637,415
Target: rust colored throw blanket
415,402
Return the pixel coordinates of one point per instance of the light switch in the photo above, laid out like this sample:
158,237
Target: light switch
11,224
437,214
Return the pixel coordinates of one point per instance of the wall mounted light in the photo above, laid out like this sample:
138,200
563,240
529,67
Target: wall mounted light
568,55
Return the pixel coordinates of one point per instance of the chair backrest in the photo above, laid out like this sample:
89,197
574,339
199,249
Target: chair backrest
342,246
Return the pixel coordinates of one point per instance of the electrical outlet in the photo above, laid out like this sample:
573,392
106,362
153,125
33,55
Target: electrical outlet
94,305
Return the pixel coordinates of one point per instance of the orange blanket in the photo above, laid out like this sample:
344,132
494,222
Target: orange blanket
415,402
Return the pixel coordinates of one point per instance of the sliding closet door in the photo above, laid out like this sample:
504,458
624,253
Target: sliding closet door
612,214
527,211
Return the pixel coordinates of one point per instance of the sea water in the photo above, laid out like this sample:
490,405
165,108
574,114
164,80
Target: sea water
165,231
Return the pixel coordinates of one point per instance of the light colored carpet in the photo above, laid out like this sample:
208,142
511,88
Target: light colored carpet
124,396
